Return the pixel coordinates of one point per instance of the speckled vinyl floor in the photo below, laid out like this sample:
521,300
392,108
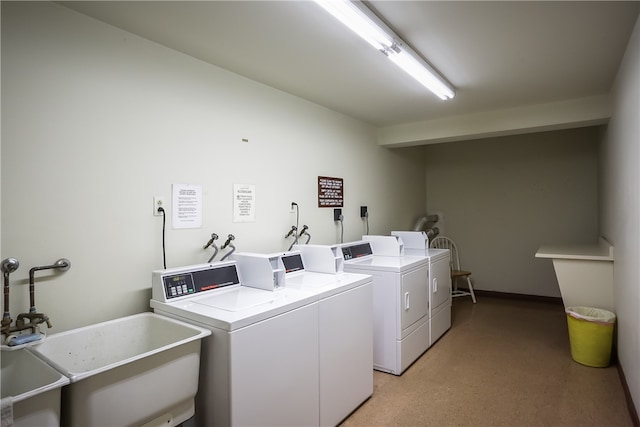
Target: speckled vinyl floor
504,362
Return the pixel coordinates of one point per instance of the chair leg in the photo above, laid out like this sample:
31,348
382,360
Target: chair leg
473,295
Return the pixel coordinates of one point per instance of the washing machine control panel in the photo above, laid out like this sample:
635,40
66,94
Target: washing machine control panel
356,251
176,283
292,263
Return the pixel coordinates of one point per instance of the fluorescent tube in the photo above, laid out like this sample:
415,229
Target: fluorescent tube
354,15
419,72
354,18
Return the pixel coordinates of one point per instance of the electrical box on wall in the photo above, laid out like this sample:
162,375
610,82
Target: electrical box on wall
337,213
159,202
363,211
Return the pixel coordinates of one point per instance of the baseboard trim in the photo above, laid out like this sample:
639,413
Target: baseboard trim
508,295
633,413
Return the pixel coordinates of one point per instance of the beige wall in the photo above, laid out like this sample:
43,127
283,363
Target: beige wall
97,121
620,209
501,198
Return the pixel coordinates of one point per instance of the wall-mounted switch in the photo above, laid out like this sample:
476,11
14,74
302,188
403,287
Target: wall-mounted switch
363,211
337,213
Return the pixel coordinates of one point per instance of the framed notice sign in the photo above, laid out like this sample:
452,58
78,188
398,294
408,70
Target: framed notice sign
330,192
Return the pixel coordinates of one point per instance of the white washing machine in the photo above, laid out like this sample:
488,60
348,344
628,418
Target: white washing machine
345,316
417,243
260,365
400,302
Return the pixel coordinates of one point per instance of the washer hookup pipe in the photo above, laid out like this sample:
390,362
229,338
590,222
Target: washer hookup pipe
62,264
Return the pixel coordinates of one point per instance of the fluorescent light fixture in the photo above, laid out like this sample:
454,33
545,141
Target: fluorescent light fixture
421,73
363,22
356,19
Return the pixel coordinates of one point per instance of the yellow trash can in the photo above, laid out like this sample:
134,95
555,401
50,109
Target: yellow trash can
590,335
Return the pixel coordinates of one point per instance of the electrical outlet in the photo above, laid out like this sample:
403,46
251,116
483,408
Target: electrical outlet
337,213
363,211
159,202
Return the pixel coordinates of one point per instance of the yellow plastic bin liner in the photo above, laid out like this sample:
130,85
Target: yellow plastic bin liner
590,335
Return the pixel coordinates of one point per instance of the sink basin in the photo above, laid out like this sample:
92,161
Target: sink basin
136,370
34,388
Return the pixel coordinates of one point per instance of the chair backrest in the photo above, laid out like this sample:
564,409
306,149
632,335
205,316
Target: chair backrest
443,242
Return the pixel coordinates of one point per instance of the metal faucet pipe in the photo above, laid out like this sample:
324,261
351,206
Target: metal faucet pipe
230,237
62,264
308,236
213,238
211,241
303,231
9,265
228,243
292,231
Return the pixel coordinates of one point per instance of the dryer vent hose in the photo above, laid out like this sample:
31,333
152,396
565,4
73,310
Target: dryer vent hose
425,222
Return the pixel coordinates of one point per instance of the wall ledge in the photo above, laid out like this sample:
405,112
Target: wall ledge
581,112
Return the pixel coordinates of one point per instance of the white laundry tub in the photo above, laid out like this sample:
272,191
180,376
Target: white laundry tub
136,370
33,387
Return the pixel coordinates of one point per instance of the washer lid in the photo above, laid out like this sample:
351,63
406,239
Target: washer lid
241,298
386,263
324,284
235,308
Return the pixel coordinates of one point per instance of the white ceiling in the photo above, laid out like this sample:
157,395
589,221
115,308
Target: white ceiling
497,55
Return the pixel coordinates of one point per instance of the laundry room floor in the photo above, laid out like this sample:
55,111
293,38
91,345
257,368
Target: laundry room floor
504,362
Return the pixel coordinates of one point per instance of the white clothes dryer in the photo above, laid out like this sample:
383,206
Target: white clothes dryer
400,303
416,243
260,365
345,316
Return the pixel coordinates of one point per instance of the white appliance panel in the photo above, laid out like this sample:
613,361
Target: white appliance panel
414,296
400,306
345,332
260,356
412,346
260,366
346,357
386,301
440,322
440,278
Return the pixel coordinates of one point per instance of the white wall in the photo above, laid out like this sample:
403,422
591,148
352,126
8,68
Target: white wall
502,198
620,209
97,121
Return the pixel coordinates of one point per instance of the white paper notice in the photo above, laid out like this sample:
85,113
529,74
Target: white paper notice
244,203
187,206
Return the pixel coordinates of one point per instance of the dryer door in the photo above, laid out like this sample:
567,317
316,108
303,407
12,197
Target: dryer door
440,282
414,295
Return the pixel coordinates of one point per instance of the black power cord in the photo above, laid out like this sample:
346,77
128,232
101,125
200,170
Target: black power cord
164,251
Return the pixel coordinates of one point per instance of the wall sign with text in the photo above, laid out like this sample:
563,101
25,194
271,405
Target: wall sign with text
330,192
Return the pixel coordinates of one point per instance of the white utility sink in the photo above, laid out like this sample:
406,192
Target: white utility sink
34,389
133,371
